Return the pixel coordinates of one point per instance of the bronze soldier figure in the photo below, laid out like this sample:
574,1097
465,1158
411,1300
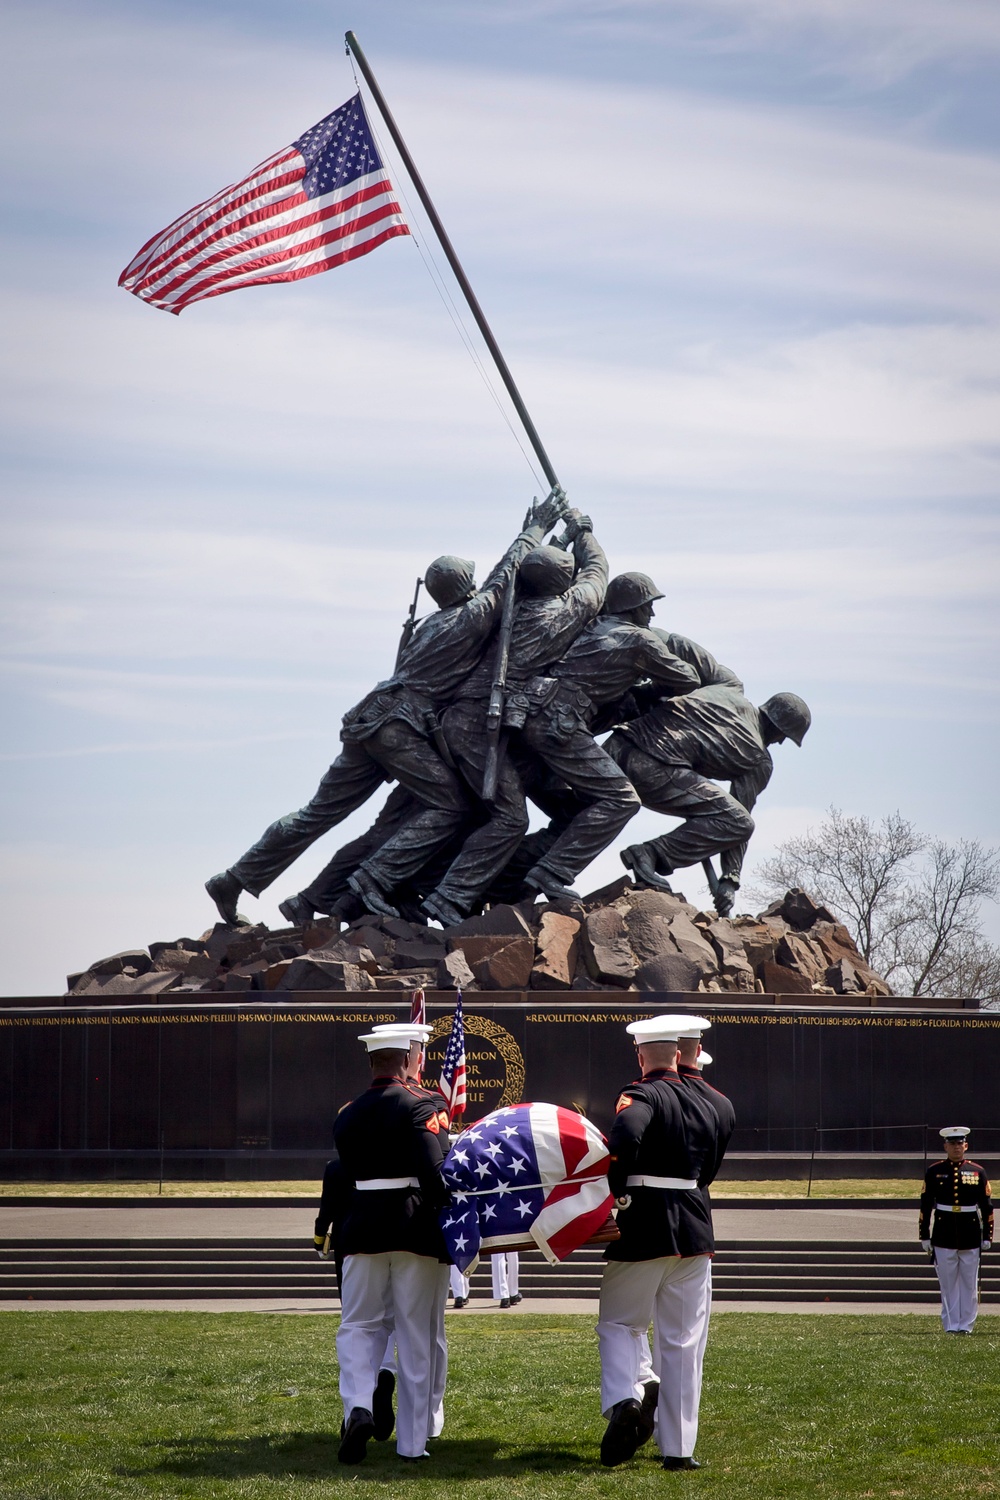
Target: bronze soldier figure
553,607
677,752
556,755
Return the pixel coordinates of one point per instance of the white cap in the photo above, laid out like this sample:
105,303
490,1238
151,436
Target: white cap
954,1132
703,1058
666,1028
418,1033
390,1039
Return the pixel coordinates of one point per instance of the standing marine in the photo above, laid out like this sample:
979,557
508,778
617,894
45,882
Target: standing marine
956,1227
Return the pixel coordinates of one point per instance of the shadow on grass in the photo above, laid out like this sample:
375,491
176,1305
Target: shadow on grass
291,1454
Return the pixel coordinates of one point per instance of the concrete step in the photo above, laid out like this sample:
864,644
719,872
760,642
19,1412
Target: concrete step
819,1271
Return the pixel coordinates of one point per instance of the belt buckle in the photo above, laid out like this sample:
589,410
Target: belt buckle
956,1208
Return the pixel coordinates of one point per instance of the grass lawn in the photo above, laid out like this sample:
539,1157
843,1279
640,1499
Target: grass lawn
95,1406
145,1189
855,1187
830,1187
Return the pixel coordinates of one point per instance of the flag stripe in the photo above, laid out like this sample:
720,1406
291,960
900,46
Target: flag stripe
360,241
239,236
249,211
284,242
295,268
188,224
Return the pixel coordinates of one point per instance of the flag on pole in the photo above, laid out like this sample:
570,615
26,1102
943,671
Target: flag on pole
452,1081
533,1174
322,200
418,1017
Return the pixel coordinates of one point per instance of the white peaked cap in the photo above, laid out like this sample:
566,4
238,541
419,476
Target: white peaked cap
417,1032
954,1132
390,1039
704,1058
667,1028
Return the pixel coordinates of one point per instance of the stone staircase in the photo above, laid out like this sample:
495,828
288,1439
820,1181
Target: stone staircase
805,1271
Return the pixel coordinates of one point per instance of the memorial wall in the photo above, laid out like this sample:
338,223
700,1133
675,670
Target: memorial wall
268,1077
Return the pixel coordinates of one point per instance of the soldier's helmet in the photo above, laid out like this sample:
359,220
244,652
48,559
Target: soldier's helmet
789,713
546,571
629,591
449,580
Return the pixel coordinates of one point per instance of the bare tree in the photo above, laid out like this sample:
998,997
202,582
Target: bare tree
942,945
912,904
974,969
857,868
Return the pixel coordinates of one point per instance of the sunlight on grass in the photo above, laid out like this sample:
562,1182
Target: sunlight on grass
854,1187
244,1407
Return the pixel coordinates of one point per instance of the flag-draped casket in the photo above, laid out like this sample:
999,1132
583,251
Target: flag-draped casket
531,1176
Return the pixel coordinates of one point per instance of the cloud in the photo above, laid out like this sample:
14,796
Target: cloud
874,42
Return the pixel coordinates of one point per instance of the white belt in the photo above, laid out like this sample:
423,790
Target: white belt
957,1208
385,1184
683,1183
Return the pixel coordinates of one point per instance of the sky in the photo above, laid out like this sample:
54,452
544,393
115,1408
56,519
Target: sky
743,257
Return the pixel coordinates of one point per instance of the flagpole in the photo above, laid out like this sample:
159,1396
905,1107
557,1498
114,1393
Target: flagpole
484,328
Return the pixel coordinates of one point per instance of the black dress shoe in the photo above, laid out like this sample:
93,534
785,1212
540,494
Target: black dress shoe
647,1411
357,1433
461,1301
504,1301
681,1463
621,1437
516,1299
383,1416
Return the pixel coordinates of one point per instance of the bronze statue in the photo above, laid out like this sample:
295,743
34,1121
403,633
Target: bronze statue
495,701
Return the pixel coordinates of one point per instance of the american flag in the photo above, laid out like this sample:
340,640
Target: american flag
325,199
533,1173
452,1080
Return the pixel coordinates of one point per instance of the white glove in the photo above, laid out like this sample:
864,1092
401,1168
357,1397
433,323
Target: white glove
987,1244
926,1245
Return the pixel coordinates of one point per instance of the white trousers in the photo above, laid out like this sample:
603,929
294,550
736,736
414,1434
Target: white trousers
459,1283
504,1268
958,1275
413,1287
675,1293
439,1376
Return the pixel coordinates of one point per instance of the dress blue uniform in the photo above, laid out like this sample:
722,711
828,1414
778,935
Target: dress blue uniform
389,1146
664,1148
956,1226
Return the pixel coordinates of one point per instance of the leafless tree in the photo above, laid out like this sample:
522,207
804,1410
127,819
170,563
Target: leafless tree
857,868
941,945
912,904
